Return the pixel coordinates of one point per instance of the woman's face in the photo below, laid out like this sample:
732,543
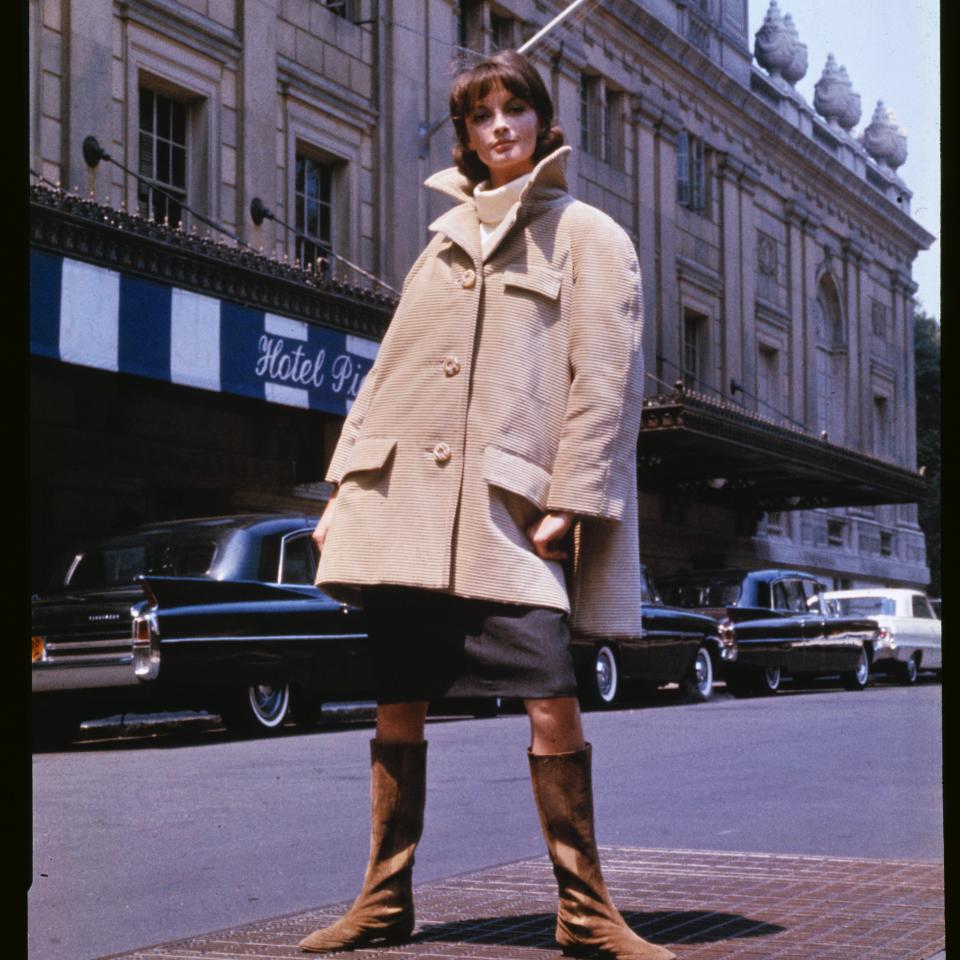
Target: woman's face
502,130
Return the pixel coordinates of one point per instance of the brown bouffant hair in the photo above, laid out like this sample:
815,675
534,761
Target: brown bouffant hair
516,74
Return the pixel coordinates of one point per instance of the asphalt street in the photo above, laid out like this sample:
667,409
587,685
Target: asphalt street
141,841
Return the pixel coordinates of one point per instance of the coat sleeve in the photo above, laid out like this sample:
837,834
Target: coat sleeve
593,469
354,422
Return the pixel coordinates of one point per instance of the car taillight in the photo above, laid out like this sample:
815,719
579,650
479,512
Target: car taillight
146,648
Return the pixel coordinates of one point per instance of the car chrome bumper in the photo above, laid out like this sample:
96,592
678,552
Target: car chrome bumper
115,672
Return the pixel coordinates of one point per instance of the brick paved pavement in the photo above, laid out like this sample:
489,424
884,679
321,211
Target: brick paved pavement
704,905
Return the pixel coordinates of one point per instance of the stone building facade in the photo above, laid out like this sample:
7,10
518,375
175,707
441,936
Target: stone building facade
776,245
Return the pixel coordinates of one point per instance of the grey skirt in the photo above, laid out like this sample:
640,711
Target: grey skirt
427,645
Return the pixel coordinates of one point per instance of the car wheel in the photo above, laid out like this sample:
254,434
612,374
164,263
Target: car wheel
908,671
606,676
697,685
857,678
768,681
259,708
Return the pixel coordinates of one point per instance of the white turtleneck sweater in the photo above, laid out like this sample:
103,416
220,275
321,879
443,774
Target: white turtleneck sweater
496,210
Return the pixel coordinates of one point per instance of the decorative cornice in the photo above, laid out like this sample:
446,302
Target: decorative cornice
855,252
351,107
901,282
85,230
180,23
801,215
698,274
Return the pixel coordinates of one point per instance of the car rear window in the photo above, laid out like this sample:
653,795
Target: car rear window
865,606
118,562
716,594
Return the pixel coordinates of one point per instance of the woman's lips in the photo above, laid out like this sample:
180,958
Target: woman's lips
503,144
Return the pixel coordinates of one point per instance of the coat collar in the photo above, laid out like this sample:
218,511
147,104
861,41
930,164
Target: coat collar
547,182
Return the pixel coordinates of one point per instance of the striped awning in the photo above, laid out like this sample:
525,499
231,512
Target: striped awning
90,315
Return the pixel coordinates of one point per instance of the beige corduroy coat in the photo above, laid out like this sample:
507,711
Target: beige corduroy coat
501,390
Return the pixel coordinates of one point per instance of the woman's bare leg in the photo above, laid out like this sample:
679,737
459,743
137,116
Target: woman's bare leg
554,725
401,722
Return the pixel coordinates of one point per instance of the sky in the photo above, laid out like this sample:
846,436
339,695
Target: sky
891,49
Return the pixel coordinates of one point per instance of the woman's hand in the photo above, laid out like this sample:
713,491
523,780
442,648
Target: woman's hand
323,524
543,534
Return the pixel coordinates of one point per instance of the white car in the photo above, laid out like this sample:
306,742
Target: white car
909,639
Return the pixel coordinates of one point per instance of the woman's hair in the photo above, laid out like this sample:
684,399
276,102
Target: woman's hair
516,74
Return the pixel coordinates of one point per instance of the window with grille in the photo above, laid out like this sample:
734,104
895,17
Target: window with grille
836,533
694,334
691,172
589,119
502,35
768,383
470,25
163,157
313,198
882,445
886,544
612,127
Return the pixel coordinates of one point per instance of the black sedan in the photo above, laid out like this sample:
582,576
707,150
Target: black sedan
677,646
218,613
221,613
781,625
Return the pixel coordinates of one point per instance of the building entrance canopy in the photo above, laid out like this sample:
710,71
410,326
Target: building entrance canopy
707,449
113,292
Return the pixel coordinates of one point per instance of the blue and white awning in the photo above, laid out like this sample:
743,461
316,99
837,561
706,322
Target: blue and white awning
95,317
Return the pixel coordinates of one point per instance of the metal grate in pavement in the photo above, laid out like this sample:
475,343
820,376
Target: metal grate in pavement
704,905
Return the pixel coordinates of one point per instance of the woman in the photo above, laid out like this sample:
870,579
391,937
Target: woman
486,492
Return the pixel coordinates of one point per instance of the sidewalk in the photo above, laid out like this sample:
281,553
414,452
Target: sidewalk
704,905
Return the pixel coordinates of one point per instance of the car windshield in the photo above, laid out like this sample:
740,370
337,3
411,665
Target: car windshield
118,561
715,594
865,606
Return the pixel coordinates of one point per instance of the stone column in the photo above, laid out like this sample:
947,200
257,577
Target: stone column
811,255
88,92
855,261
748,180
645,220
732,320
667,317
256,157
903,290
801,320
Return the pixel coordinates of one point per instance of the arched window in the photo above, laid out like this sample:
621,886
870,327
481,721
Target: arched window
830,361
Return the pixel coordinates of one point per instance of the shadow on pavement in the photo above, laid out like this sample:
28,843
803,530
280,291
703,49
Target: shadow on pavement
537,929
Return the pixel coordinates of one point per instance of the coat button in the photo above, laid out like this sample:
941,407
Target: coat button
468,279
441,452
451,366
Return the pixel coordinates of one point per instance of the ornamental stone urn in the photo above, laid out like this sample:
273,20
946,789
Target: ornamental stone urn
773,44
797,68
852,111
884,140
831,93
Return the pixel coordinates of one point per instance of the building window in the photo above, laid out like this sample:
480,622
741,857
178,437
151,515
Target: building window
886,544
882,446
768,383
589,110
691,176
502,32
163,157
836,533
776,523
470,25
612,152
314,210
694,349
878,319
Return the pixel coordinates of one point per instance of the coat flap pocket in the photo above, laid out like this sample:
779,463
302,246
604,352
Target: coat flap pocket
514,473
369,453
542,280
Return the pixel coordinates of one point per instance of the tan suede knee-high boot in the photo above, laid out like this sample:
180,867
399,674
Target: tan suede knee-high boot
588,924
384,908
